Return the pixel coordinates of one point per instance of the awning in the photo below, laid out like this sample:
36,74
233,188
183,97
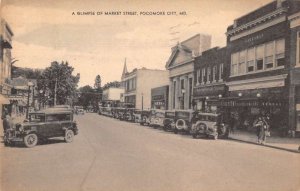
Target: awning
4,100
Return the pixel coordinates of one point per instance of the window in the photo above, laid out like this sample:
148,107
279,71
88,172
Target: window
198,77
221,72
279,45
260,57
234,62
182,83
250,60
242,65
208,74
269,63
298,49
203,75
214,73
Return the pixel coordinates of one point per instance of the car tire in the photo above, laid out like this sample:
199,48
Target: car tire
30,140
69,136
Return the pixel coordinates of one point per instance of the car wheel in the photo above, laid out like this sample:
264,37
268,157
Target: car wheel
30,140
69,136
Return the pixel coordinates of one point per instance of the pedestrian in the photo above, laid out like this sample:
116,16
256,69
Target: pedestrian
262,130
6,122
232,123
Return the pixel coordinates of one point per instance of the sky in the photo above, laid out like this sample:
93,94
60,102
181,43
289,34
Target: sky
48,30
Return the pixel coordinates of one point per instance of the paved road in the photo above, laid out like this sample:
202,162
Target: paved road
113,155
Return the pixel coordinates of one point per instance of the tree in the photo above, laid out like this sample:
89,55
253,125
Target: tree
58,83
97,84
114,84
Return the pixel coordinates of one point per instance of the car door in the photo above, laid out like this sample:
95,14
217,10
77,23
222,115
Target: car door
53,125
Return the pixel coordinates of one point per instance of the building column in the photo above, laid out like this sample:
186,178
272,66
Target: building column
292,107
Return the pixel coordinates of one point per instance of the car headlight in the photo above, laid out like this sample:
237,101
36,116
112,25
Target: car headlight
21,128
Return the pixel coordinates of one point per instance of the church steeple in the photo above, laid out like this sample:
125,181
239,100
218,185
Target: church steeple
125,71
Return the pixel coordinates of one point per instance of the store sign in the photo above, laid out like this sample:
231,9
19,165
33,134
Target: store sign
158,97
255,38
209,91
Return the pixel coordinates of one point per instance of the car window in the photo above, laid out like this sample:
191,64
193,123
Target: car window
37,118
58,117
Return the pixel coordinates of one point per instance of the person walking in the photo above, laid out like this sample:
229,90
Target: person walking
262,130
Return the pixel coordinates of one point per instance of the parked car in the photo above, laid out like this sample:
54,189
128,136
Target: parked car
209,125
128,115
137,115
145,117
42,125
157,118
79,110
114,112
121,113
183,120
169,121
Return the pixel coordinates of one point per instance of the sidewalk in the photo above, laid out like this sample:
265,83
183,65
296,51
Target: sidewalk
282,143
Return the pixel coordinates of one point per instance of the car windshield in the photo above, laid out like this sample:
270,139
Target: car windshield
160,114
207,118
170,114
37,118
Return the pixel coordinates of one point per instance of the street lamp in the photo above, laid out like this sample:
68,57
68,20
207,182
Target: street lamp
29,85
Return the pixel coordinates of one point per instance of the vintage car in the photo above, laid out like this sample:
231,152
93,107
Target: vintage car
183,120
129,114
145,117
169,121
121,113
79,110
137,115
209,125
42,125
157,118
114,112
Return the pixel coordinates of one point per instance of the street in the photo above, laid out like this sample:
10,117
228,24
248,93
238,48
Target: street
109,154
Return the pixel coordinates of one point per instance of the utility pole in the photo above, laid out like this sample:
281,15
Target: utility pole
55,91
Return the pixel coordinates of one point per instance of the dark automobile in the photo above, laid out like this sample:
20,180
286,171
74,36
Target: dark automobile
114,112
145,117
137,115
129,114
42,125
209,125
183,120
121,113
169,121
157,118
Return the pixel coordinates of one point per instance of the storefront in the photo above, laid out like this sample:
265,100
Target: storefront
159,97
209,94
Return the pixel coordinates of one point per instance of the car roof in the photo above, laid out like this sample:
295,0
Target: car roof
53,111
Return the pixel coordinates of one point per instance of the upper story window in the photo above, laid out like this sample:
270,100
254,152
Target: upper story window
234,63
214,73
269,59
221,71
198,76
250,60
279,52
203,75
242,62
208,74
182,84
259,58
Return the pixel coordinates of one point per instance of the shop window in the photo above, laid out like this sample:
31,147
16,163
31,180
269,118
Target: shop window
250,60
280,52
242,65
259,57
269,61
234,63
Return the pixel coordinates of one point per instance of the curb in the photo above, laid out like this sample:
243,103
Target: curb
266,145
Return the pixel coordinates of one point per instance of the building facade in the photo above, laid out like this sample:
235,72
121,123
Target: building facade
6,35
113,94
259,50
181,70
209,78
138,84
160,97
